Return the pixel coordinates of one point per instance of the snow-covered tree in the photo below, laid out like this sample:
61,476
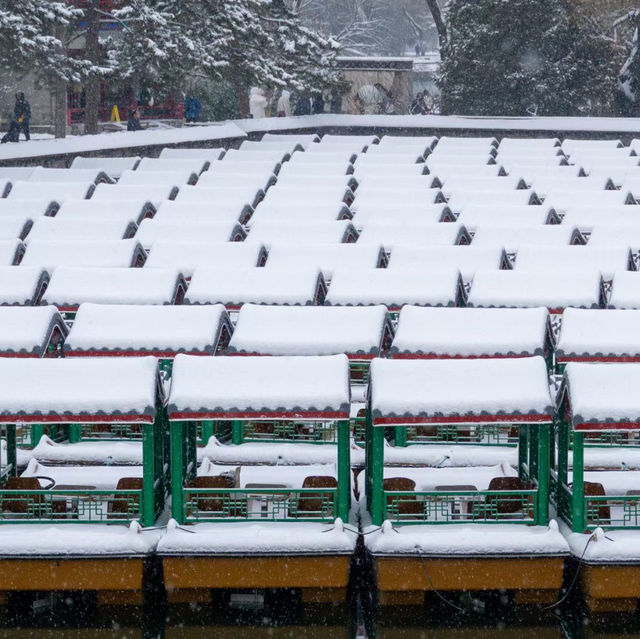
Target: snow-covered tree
521,57
629,77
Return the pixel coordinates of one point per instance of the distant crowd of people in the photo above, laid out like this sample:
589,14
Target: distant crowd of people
261,106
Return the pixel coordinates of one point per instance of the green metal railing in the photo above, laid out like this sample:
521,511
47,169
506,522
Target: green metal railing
70,506
288,431
105,432
460,507
260,504
485,435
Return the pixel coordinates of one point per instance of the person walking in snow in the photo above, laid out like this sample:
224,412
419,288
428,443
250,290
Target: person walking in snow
133,121
257,103
192,109
22,115
284,105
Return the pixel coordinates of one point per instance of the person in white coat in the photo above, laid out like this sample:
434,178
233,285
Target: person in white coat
284,105
257,103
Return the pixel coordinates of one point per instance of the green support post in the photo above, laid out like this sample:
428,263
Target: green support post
37,431
11,450
147,509
523,449
543,474
400,436
344,471
563,461
237,432
177,471
206,428
533,451
368,437
577,501
75,433
377,475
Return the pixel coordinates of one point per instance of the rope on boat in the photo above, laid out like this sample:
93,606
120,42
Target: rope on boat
575,576
433,587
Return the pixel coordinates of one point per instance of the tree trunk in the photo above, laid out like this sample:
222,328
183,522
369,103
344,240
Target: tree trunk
92,53
60,109
436,14
243,97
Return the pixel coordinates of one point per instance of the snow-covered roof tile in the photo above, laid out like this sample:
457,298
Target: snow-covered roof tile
101,389
155,193
181,211
188,165
475,215
318,330
85,176
471,332
234,287
260,387
36,207
420,234
187,256
514,390
271,231
599,334
524,289
135,210
601,396
626,236
53,190
209,155
625,292
85,227
462,198
10,251
395,287
50,254
20,285
400,213
153,230
111,166
71,286
14,226
511,237
162,331
27,330
175,177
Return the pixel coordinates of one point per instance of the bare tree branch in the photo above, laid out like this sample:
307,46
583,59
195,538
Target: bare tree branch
441,27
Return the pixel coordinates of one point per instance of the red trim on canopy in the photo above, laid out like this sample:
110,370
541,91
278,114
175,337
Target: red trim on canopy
607,426
152,353
316,415
436,356
603,359
350,356
75,419
20,355
462,419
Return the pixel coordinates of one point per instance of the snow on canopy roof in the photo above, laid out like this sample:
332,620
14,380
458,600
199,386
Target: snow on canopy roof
50,254
473,216
312,191
401,181
80,228
511,237
601,396
103,389
524,289
625,292
19,285
176,177
187,256
366,195
471,332
26,330
53,190
154,193
135,210
562,200
527,143
384,156
181,211
459,199
423,234
188,165
111,166
9,251
394,287
329,155
448,140
15,173
210,155
458,162
153,230
46,174
215,196
531,172
325,257
599,334
349,139
571,144
234,287
252,182
287,146
260,387
298,138
387,171
623,235
466,182
467,259
252,155
577,258
29,208
71,286
287,213
269,231
14,226
150,330
546,184
339,181
460,391
428,141
309,330
410,214
309,170
263,167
